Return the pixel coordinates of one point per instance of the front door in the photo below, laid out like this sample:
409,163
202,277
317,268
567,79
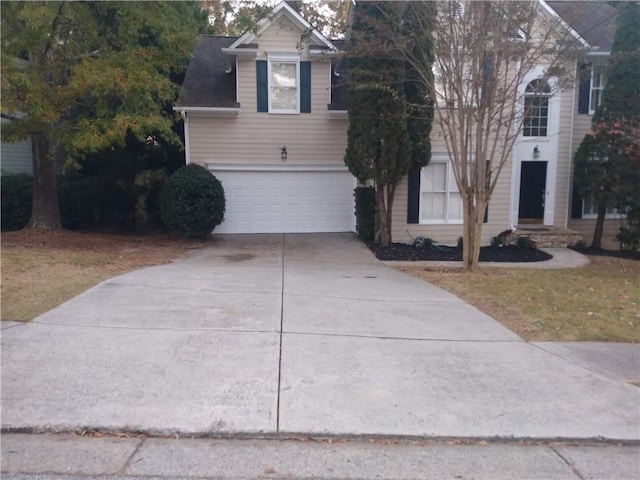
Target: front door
533,185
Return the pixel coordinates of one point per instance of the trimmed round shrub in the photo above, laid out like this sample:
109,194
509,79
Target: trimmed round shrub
192,202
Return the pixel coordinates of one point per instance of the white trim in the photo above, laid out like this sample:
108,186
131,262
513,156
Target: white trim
280,9
210,111
241,52
187,154
279,57
603,78
548,146
237,80
441,158
255,167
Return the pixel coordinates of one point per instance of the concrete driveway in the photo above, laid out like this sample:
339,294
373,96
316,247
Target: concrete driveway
267,334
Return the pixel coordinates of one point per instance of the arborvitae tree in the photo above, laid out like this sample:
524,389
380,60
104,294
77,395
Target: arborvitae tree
389,122
607,165
80,77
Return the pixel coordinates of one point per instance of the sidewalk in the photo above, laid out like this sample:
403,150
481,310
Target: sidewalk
49,456
562,258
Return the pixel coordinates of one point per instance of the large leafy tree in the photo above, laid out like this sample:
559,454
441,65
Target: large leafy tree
389,119
607,161
82,77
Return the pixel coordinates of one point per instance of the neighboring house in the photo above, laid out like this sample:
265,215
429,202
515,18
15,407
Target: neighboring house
15,157
266,113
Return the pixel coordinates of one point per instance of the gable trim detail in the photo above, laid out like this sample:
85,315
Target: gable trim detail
281,9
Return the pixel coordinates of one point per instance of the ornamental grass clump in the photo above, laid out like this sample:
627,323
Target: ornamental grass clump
192,202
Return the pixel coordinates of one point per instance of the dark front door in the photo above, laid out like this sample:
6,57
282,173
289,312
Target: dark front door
533,181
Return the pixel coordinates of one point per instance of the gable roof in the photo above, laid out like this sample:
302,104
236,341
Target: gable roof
210,80
283,8
594,21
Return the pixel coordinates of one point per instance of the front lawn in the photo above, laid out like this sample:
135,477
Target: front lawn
41,270
600,302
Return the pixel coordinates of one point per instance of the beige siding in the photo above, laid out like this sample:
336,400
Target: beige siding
587,226
281,36
252,137
564,170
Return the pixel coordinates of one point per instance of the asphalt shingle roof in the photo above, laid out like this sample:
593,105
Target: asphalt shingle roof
210,80
595,21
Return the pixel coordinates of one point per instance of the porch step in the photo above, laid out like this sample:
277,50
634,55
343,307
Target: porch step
545,237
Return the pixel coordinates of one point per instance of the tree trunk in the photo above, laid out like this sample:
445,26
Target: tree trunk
45,212
472,234
381,207
597,233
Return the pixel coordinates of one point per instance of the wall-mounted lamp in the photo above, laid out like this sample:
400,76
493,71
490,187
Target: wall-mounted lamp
536,152
283,153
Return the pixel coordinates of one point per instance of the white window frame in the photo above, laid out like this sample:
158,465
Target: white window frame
451,187
284,58
537,96
595,92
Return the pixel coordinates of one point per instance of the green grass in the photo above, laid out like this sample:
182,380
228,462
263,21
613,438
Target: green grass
599,302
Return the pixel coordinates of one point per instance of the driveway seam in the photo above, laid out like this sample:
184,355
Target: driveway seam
569,464
147,329
383,337
284,245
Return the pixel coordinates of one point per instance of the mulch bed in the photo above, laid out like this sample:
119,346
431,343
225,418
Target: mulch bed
405,252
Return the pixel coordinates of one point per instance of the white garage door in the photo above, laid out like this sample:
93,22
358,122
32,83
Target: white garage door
286,201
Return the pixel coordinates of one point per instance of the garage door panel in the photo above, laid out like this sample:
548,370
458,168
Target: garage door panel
287,201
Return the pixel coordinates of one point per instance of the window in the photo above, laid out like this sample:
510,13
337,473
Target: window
598,77
536,109
284,87
590,210
440,201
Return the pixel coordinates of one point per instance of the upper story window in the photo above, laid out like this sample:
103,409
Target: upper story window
283,85
598,79
536,109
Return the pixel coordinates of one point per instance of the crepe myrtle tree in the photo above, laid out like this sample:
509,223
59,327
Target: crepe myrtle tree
482,52
82,77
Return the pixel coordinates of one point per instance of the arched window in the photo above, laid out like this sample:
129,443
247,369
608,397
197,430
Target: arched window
536,108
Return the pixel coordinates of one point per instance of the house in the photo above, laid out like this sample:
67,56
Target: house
15,157
266,113
263,112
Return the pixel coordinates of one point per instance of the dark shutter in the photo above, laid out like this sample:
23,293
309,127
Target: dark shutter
305,87
486,214
413,200
585,88
262,86
576,203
